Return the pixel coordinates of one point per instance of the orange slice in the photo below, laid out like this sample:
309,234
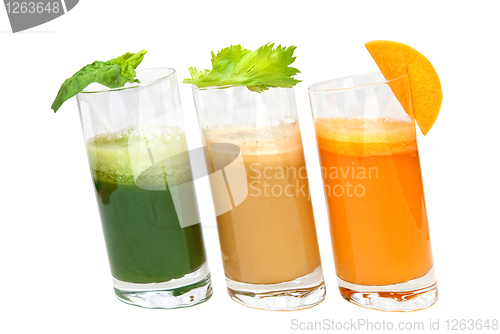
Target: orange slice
395,60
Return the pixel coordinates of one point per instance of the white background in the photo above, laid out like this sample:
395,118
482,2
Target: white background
54,274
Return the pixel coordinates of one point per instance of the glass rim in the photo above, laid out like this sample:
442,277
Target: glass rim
170,72
382,82
194,87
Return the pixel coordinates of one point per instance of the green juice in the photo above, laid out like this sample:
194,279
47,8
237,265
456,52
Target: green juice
134,190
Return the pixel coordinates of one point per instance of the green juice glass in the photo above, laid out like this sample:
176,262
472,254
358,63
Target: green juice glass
143,182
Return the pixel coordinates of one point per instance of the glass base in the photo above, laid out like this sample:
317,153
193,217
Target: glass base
189,290
413,295
303,292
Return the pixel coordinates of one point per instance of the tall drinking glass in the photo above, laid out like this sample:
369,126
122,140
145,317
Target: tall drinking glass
265,218
373,185
141,171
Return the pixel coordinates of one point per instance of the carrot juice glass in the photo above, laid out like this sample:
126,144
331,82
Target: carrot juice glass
373,185
259,184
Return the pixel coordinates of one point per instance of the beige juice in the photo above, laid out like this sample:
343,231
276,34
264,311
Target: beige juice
271,236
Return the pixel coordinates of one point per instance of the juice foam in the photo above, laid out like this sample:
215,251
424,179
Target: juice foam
279,139
127,156
359,136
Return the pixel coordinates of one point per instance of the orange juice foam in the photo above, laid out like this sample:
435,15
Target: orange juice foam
358,136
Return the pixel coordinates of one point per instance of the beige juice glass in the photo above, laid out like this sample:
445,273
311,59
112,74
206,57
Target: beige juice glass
261,194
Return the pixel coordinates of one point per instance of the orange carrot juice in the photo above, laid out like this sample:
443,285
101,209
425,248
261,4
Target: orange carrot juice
375,196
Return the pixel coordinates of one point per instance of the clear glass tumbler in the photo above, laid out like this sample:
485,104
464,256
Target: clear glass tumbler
141,171
259,183
373,185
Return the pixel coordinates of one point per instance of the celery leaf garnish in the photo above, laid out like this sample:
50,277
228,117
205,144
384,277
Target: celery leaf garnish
114,73
257,70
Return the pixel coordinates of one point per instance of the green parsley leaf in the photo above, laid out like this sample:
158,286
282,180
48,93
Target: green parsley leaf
257,70
113,73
